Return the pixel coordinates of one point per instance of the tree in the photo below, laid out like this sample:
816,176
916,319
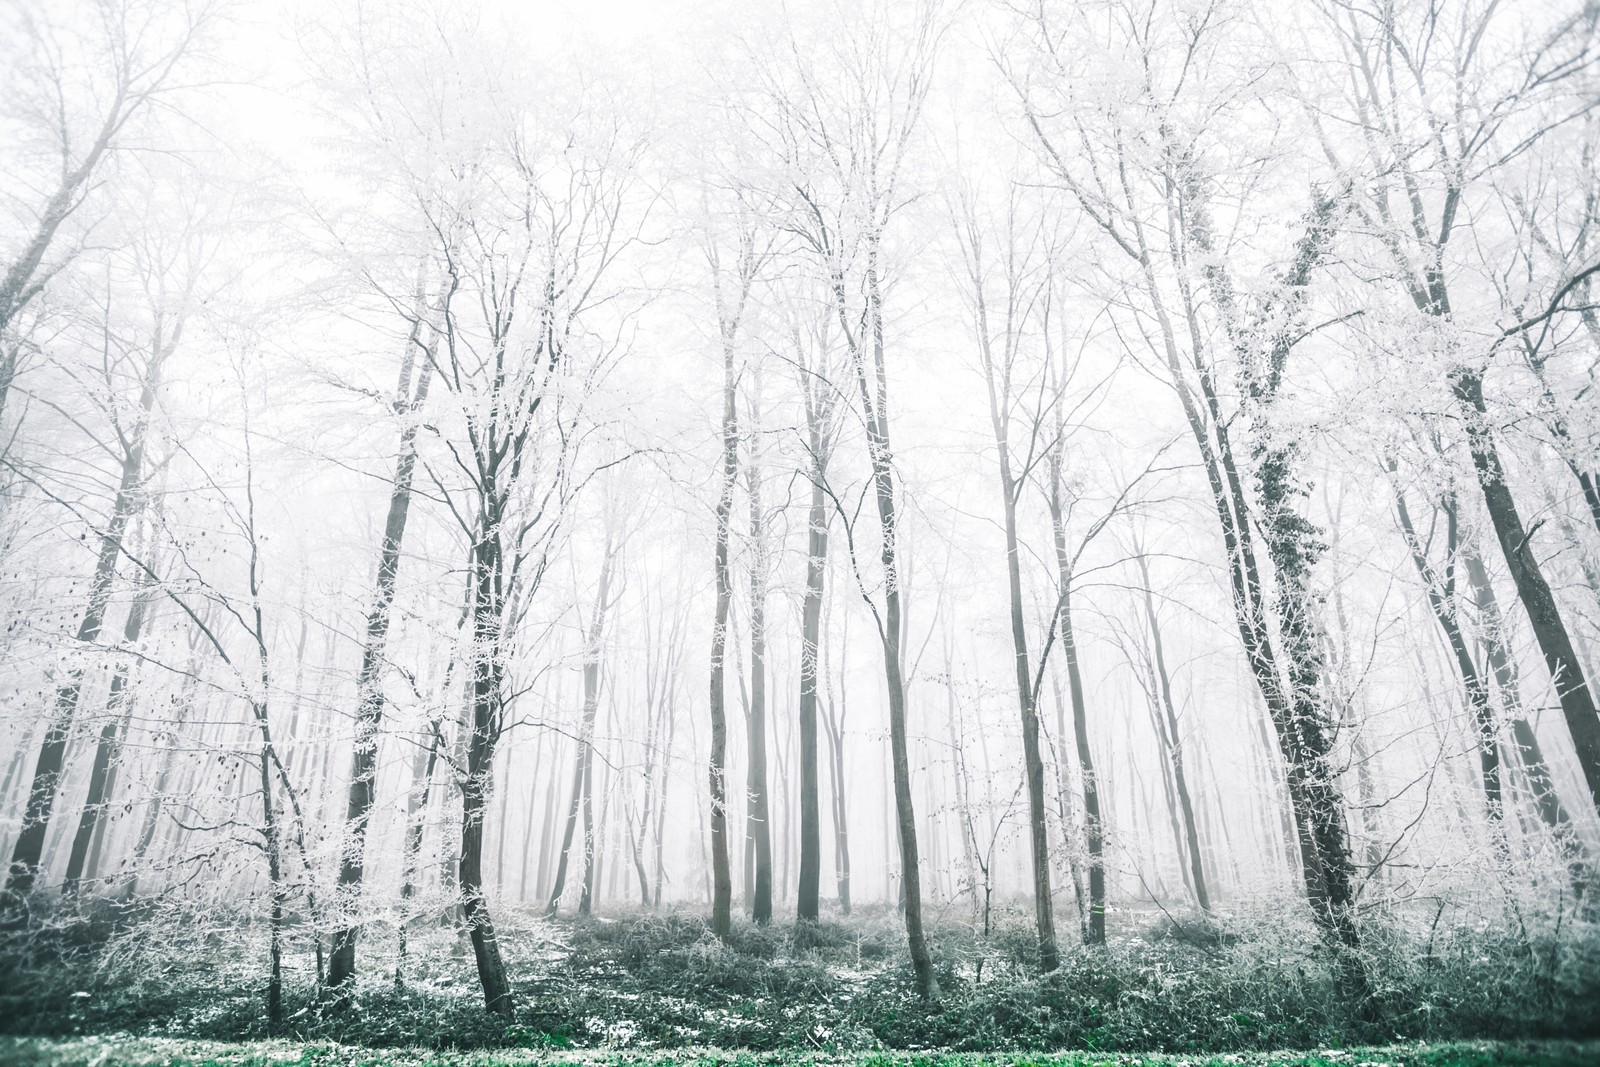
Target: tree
1145,188
847,138
136,51
1441,114
142,356
731,296
760,806
522,260
411,394
1001,332
815,376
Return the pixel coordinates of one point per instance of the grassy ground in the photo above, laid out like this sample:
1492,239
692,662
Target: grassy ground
653,985
122,1051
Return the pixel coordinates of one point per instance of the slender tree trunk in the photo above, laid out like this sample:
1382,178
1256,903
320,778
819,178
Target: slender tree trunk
670,710
579,771
721,874
1174,741
28,850
422,766
1027,700
760,811
1566,670
106,751
1441,599
874,398
488,669
1547,801
594,648
1065,806
807,905
1095,931
369,682
274,879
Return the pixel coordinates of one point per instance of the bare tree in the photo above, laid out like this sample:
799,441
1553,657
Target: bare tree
138,50
411,394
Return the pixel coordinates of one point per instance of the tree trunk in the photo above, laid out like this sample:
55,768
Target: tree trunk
1566,671
1174,742
1027,701
1095,932
1441,599
760,811
28,849
1547,801
721,874
106,751
807,905
488,670
369,682
874,398
274,880
594,648
422,766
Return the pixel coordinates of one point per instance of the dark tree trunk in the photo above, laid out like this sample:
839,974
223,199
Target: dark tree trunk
1095,930
369,682
1547,802
760,804
1441,599
807,905
1566,670
275,881
28,849
106,750
579,772
873,386
488,670
422,767
721,873
1027,701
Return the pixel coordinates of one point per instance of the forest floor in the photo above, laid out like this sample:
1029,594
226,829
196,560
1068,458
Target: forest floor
653,987
123,1051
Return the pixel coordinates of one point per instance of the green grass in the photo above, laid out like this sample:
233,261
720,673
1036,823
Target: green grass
122,1051
656,987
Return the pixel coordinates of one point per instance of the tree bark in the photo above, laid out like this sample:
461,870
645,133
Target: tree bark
807,902
369,682
1027,702
760,805
1174,743
1095,930
1546,799
28,849
594,649
1566,670
1441,599
488,679
106,750
721,873
874,403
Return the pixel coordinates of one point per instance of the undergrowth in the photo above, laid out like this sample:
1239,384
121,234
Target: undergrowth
1256,980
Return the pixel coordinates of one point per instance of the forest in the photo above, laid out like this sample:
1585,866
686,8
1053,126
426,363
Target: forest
970,532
